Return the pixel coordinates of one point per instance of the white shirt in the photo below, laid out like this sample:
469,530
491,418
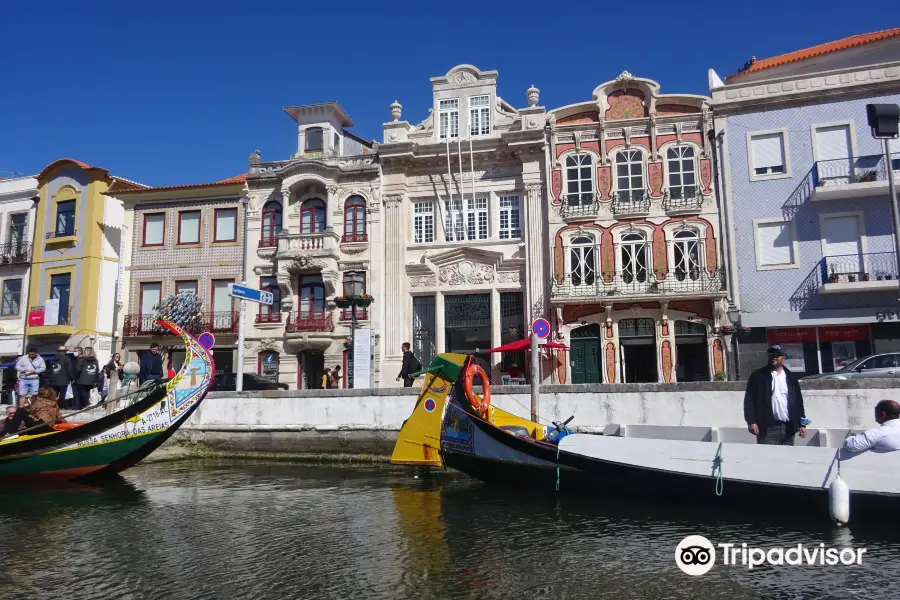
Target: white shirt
780,395
884,438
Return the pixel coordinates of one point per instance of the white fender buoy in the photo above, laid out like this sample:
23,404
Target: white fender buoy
839,501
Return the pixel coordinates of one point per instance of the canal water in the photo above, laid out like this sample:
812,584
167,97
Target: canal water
215,530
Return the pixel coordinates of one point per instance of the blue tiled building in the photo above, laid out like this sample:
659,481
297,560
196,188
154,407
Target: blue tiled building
804,192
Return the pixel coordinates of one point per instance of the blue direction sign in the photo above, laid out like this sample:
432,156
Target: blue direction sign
248,293
541,328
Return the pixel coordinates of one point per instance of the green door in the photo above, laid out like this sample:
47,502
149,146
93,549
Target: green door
585,353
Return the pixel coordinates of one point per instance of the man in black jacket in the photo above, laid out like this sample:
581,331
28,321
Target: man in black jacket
61,375
410,365
773,404
151,364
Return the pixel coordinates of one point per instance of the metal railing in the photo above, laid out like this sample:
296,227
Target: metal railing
579,205
697,280
272,316
215,322
15,254
362,314
851,268
309,321
855,169
64,232
686,197
64,318
631,202
351,238
268,242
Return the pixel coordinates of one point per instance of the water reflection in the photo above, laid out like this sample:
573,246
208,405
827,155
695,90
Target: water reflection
236,530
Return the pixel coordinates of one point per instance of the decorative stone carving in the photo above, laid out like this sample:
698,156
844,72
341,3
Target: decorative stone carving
467,272
666,350
248,345
332,190
533,94
254,157
655,178
428,124
267,343
462,78
302,263
392,201
423,281
624,80
604,181
610,363
508,277
706,175
396,110
556,185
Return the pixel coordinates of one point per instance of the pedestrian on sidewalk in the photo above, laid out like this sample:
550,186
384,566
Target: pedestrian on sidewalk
326,379
87,378
410,365
29,367
62,374
773,403
151,365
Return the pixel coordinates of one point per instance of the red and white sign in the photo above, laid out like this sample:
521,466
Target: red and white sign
833,333
791,334
829,333
36,318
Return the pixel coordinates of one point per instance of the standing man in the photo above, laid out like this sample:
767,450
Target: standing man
410,365
773,404
61,375
151,364
29,366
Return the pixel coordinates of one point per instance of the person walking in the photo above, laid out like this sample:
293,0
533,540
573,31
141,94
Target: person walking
151,365
114,365
87,378
29,367
335,378
326,379
773,403
410,365
62,374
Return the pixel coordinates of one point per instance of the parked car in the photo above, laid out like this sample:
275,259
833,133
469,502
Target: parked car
868,367
227,382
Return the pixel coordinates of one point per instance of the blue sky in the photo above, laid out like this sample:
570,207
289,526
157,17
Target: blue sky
180,92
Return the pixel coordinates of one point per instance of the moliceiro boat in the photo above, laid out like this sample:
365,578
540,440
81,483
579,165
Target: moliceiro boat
117,441
696,465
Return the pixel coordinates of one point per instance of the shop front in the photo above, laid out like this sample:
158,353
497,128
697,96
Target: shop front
824,349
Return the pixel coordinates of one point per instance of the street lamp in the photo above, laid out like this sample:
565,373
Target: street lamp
734,316
354,295
884,119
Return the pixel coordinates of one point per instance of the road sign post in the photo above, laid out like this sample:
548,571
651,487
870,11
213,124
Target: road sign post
253,295
540,329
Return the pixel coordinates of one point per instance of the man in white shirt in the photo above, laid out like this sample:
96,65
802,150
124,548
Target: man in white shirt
885,437
773,402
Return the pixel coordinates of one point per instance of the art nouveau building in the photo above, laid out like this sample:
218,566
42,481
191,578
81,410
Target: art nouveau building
637,278
313,222
463,222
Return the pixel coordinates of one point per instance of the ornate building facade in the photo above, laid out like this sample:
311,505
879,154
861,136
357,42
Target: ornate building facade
637,277
464,220
313,223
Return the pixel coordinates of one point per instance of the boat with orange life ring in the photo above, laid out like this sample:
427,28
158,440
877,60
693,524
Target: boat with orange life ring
479,404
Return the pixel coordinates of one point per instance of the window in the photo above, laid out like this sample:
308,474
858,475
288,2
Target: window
189,227
842,244
775,244
583,261
767,154
448,116
633,255
314,138
225,226
186,286
268,365
18,231
579,180
154,229
312,296
312,216
423,222
267,313
833,148
682,172
150,296
60,287
687,255
480,115
271,224
221,299
12,297
510,226
65,218
630,175
466,219
355,219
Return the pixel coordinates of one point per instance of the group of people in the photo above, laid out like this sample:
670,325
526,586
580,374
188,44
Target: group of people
82,376
331,378
774,411
40,415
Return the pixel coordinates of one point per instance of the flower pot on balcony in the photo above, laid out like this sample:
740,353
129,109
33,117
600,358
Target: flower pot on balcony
851,278
866,277
343,301
833,278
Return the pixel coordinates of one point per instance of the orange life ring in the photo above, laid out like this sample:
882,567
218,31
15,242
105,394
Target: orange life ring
468,382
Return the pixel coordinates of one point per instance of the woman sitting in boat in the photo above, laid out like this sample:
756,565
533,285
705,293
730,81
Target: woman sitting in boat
43,410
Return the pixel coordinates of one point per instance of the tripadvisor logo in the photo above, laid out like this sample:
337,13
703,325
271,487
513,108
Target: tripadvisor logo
696,555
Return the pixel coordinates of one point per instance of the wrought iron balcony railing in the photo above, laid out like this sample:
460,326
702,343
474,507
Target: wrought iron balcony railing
851,268
16,253
64,318
578,205
61,232
855,169
268,242
694,281
309,321
273,316
686,197
354,238
362,314
214,322
626,203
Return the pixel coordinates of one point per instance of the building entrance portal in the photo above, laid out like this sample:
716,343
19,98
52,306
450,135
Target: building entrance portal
467,324
637,340
691,355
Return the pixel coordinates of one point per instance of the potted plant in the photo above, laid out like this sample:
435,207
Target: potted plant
851,278
833,278
719,376
866,277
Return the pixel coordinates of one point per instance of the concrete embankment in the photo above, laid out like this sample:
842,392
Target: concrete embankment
362,425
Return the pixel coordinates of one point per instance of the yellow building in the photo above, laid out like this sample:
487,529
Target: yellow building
75,269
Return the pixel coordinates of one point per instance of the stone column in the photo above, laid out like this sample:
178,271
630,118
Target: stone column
440,339
665,348
496,333
396,329
536,292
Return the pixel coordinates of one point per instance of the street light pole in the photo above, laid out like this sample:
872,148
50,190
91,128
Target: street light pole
884,119
894,210
353,342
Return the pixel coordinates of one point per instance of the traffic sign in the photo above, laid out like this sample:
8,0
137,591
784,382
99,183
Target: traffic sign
252,294
541,328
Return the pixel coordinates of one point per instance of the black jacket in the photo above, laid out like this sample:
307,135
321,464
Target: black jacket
758,399
151,366
61,372
87,371
410,365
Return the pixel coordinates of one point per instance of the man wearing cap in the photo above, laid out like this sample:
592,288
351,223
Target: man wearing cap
773,403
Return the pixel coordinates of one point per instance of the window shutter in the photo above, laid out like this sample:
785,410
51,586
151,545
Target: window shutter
833,143
768,150
775,244
842,236
153,229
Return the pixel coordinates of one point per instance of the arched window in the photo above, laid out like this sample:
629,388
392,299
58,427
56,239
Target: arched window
682,172
579,180
687,255
355,220
314,138
630,175
633,255
583,261
312,297
312,216
271,224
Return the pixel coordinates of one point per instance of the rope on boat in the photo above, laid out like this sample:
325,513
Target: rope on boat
717,469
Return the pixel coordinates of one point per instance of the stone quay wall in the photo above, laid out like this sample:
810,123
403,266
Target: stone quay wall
366,422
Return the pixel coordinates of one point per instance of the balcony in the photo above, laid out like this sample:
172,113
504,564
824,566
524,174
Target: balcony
685,199
64,317
577,206
854,177
313,248
362,314
15,254
269,317
853,273
224,322
268,242
697,282
309,321
631,203
354,238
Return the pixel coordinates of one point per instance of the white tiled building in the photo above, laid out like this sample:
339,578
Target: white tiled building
17,210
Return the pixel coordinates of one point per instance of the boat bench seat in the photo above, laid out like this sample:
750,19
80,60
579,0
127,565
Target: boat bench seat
516,430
